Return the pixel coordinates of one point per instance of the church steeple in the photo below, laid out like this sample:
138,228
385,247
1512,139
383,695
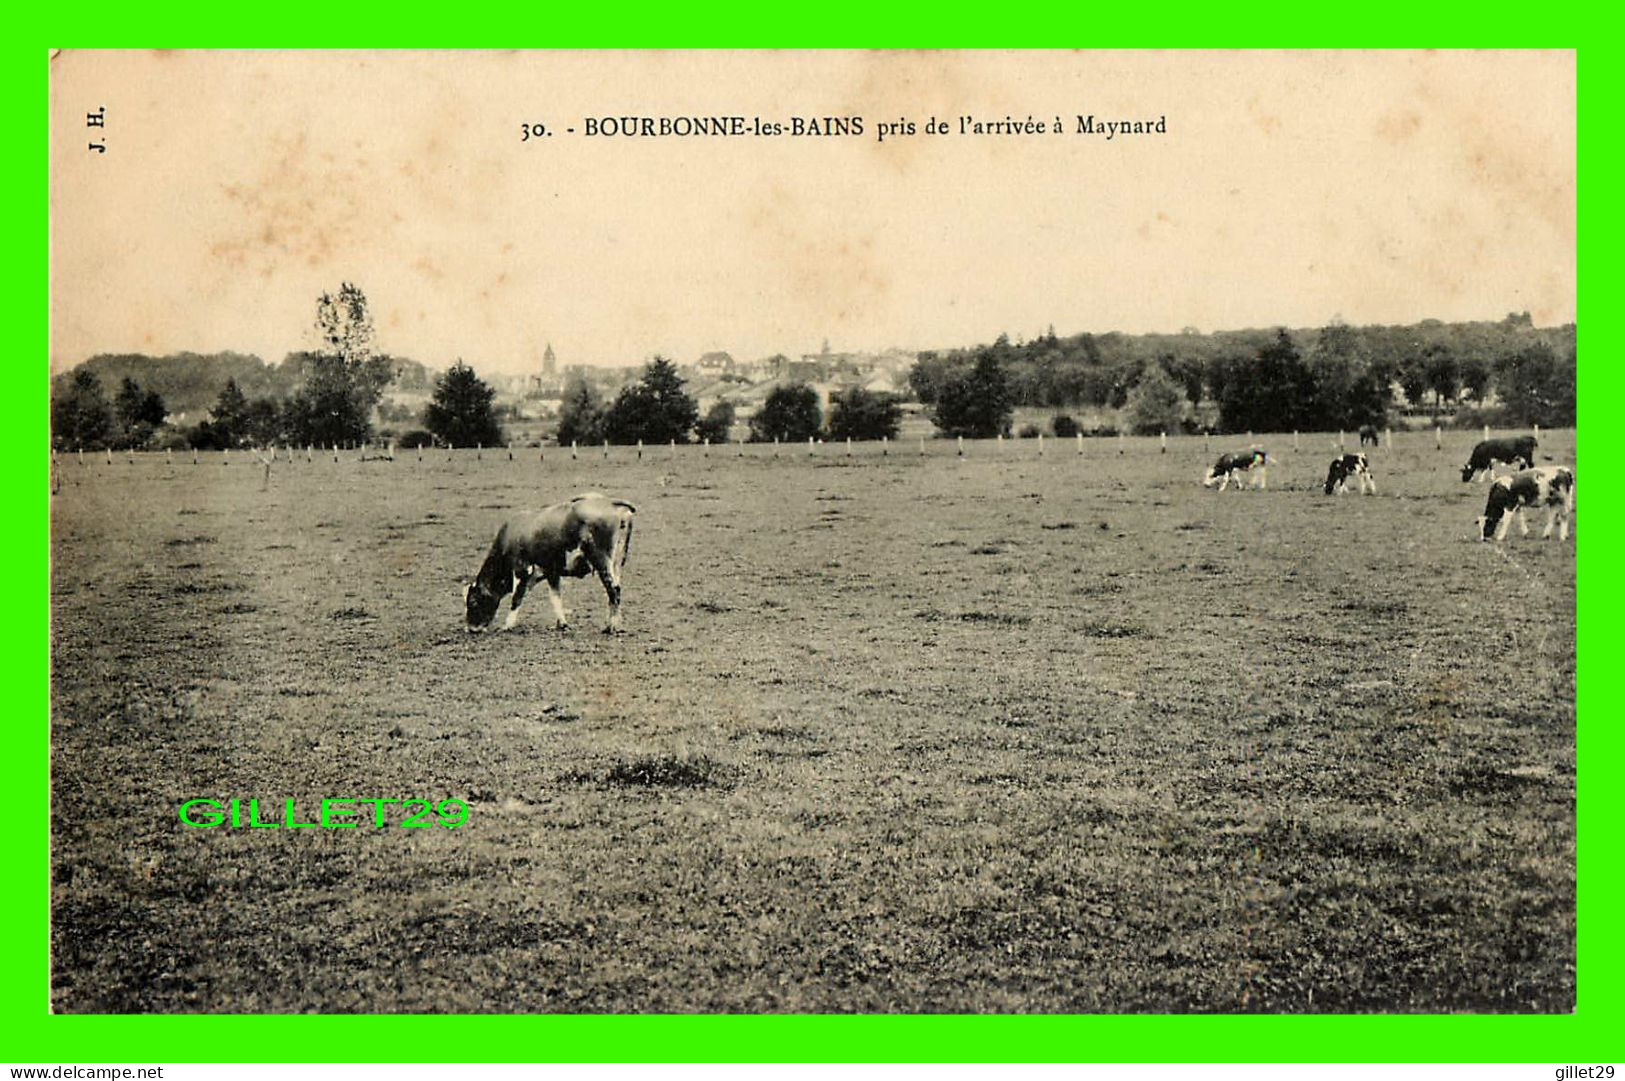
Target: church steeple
549,361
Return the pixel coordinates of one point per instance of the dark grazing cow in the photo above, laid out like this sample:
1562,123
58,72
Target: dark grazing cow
1347,466
1551,487
1510,451
1237,464
1368,435
566,540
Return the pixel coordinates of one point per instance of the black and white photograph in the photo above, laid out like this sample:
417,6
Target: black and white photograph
813,532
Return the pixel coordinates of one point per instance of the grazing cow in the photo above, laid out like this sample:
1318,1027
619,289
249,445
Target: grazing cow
1490,451
1346,466
1368,435
1233,466
1550,486
566,540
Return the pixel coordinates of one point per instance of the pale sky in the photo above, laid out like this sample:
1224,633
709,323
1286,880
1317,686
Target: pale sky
1289,189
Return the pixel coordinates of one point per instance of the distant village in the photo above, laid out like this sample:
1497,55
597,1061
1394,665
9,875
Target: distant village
528,404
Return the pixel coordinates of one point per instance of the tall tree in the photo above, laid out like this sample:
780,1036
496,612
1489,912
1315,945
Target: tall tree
856,413
460,414
80,416
1156,404
1442,373
975,403
655,409
581,414
1274,391
717,424
790,413
344,381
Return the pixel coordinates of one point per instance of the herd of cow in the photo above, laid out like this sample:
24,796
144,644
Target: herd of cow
1510,496
592,533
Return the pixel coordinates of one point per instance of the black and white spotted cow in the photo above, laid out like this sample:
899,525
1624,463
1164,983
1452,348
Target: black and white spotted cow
1551,487
1368,435
1251,464
1519,452
566,540
1348,466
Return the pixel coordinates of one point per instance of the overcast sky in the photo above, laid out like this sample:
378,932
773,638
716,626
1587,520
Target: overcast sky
1289,188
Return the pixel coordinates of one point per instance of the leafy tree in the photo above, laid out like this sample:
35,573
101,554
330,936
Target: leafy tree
581,414
460,414
790,413
1442,374
655,409
1271,392
230,413
1413,380
1537,387
80,417
342,383
717,423
1156,404
139,413
856,413
1063,426
1475,376
975,403
262,426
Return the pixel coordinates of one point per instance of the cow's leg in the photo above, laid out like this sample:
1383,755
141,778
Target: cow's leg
561,619
1523,521
518,599
1551,520
610,575
1368,484
1505,526
1263,477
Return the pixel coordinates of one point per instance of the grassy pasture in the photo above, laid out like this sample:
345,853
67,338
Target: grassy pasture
913,733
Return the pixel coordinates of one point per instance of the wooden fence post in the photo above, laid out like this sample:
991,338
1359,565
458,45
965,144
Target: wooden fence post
1294,441
1080,444
1120,443
1165,443
1040,444
606,449
640,450
1438,437
961,446
884,443
572,450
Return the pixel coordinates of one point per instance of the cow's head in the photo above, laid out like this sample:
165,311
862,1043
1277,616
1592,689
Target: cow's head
1467,471
1500,501
479,604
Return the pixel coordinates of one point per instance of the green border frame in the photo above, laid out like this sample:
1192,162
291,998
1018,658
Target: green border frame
34,1035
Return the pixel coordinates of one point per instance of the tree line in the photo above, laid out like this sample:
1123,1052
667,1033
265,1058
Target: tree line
1337,377
656,409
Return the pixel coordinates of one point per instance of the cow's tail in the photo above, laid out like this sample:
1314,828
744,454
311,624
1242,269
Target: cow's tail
623,536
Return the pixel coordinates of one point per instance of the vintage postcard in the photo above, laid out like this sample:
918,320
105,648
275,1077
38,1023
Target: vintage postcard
813,532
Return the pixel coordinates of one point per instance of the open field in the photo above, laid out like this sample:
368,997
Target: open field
913,733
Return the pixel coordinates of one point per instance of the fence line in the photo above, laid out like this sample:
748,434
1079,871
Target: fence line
996,449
